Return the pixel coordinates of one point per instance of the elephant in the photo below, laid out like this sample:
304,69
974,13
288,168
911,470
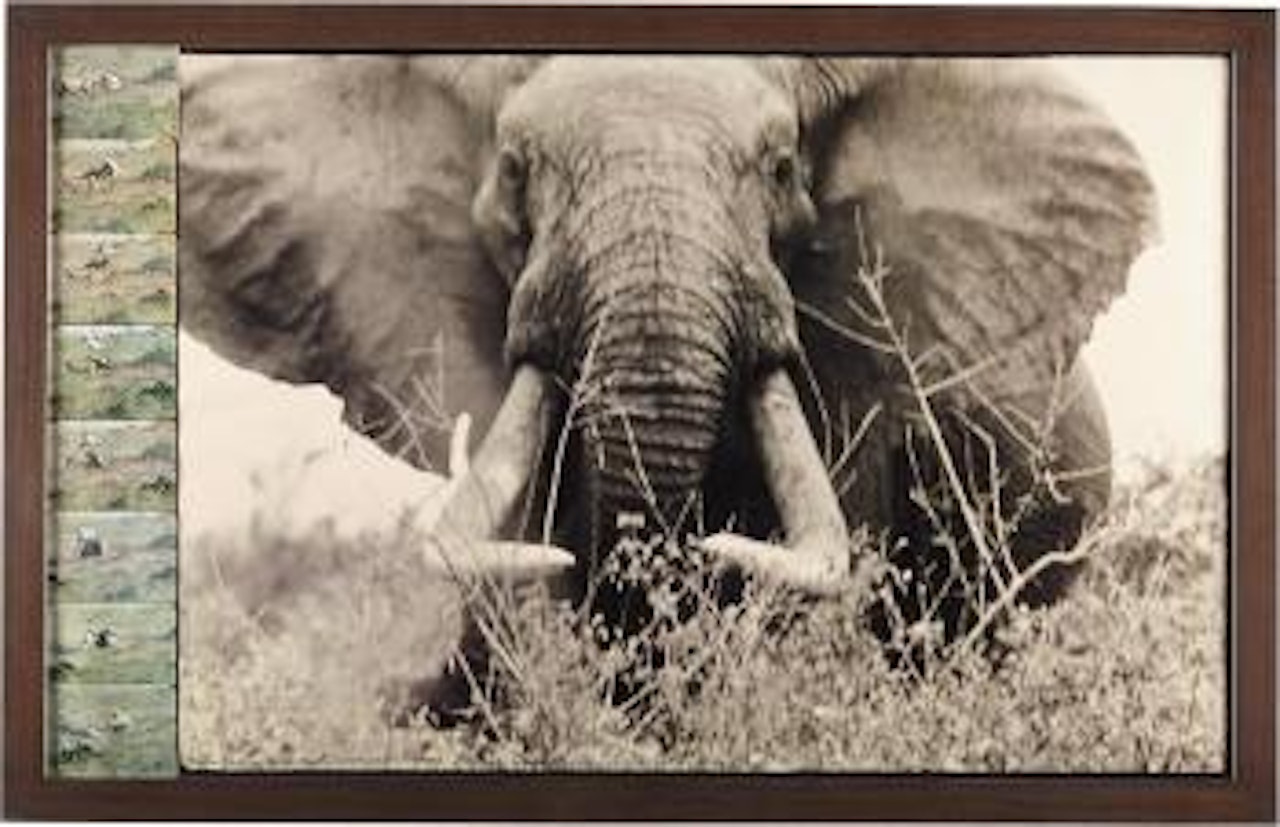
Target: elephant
699,296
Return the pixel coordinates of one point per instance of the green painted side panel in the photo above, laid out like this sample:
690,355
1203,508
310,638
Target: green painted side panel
111,585
114,643
115,186
114,279
114,558
120,92
116,372
105,731
115,466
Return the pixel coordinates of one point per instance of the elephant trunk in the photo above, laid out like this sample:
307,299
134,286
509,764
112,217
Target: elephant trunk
654,335
659,310
659,368
659,378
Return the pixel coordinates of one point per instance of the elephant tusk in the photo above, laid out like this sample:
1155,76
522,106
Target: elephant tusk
490,487
459,461
480,562
816,556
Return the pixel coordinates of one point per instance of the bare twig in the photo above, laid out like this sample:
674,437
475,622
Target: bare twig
1057,557
842,330
872,285
987,526
477,691
851,445
582,392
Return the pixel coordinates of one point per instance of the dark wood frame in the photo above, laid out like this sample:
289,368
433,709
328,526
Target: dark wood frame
1246,792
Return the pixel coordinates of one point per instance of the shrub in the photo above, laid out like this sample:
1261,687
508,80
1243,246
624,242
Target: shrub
1117,677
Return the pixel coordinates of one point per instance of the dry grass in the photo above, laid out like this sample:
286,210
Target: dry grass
294,653
300,653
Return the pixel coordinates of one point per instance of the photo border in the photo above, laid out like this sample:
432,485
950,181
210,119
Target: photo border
1245,792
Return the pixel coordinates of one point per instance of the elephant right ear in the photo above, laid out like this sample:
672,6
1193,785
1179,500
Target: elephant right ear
1005,207
325,232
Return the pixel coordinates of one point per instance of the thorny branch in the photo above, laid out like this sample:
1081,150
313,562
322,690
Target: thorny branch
987,525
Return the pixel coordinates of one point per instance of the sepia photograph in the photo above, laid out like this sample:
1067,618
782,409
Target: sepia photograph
676,413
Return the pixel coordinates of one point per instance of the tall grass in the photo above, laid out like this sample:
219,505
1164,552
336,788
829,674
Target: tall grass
1124,675
299,658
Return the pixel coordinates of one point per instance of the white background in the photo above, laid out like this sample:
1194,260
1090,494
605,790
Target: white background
1159,356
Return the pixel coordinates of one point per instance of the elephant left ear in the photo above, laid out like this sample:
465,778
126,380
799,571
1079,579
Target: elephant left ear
1005,209
326,234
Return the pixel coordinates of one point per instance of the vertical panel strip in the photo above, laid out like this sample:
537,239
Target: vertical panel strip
112,550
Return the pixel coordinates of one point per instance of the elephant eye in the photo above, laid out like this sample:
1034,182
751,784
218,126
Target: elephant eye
783,171
510,168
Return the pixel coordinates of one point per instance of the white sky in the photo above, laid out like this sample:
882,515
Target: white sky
1158,355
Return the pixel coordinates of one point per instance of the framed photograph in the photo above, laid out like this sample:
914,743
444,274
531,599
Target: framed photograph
613,413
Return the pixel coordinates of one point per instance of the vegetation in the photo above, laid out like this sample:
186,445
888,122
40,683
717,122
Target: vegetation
1126,674
276,667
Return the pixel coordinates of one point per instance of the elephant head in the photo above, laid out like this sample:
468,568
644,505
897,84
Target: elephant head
636,274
